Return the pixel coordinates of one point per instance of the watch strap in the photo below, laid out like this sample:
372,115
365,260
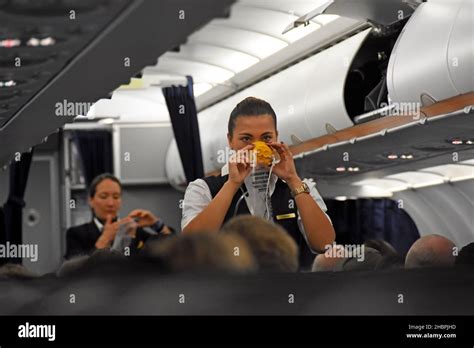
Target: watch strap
303,188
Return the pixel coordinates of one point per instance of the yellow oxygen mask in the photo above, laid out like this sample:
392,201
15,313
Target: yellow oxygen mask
263,153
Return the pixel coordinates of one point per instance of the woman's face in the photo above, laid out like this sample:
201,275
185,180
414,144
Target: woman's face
107,199
249,129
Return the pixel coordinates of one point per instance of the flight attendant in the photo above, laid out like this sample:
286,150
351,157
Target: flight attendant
105,200
294,203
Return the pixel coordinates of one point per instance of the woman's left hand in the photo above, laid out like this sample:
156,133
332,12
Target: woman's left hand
285,169
145,217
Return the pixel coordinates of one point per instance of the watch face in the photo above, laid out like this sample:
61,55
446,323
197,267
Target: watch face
303,188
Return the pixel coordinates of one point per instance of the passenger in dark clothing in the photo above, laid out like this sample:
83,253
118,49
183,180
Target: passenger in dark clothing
103,231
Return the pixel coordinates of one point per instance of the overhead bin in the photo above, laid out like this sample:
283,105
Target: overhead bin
434,54
315,91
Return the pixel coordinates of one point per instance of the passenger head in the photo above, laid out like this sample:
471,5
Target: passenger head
101,260
15,271
105,196
385,248
390,262
329,261
273,248
390,257
368,262
72,265
252,119
431,251
202,252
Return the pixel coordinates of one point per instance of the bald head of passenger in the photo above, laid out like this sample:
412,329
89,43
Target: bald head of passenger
431,251
329,261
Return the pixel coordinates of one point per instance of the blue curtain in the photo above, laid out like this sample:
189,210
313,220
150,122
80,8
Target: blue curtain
356,221
12,212
183,114
95,149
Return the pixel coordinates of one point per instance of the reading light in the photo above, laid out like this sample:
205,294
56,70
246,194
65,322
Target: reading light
406,156
8,43
33,42
9,83
47,41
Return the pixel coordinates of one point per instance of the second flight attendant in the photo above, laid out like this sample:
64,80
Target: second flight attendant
105,200
295,204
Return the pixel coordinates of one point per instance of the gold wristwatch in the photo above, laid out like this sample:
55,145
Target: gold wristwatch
303,188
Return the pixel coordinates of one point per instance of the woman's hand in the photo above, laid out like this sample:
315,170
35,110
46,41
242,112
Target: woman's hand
108,233
240,165
285,169
130,226
145,218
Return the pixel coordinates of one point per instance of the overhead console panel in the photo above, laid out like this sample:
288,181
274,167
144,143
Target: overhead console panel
108,43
